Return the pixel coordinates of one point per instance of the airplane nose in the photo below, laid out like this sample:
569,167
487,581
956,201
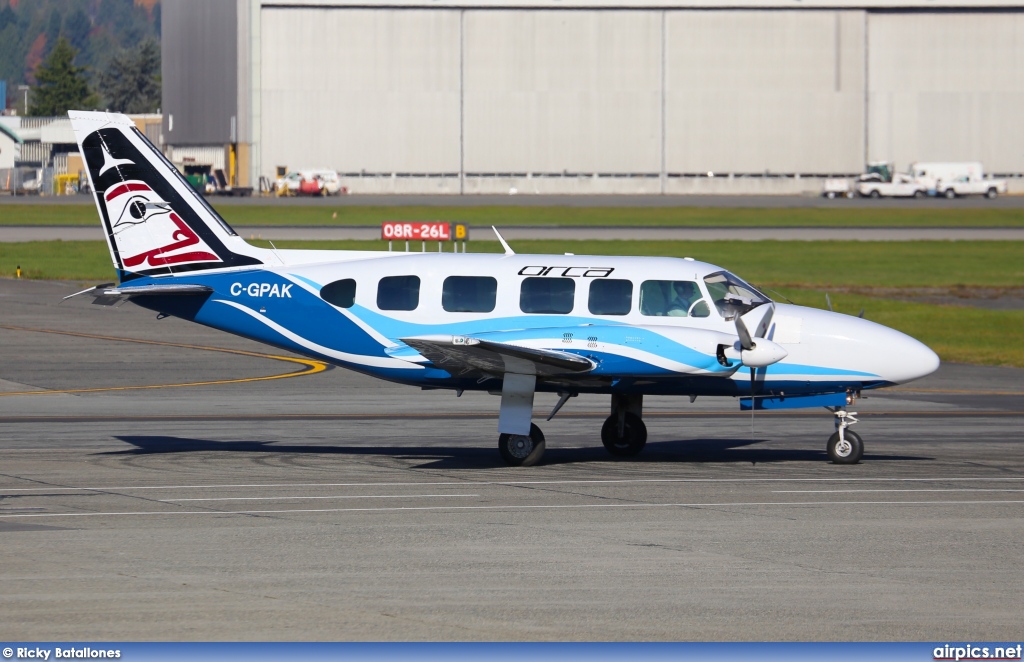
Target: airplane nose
910,360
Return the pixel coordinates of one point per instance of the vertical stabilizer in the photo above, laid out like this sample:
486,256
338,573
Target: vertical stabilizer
155,222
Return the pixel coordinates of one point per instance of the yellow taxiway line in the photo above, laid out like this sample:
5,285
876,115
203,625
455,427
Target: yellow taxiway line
311,366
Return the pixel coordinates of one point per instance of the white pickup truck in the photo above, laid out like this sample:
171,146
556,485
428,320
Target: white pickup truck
874,185
952,180
990,188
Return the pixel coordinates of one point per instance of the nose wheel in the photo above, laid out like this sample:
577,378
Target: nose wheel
845,446
521,450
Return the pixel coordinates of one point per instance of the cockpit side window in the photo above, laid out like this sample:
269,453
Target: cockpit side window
733,296
672,298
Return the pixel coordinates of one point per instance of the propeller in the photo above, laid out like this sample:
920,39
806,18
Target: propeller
759,353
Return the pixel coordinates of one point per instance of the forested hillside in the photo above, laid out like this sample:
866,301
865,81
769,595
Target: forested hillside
98,30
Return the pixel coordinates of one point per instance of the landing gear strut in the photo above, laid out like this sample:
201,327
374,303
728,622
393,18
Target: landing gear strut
624,432
520,442
845,446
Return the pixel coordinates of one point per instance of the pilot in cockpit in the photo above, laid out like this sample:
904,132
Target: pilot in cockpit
681,296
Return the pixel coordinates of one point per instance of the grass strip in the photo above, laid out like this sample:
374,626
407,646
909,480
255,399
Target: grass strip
305,215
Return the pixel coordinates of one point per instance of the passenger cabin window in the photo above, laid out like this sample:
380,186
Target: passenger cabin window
732,296
547,295
340,293
610,297
672,298
398,293
469,294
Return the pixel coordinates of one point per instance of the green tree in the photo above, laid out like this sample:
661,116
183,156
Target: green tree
62,86
131,84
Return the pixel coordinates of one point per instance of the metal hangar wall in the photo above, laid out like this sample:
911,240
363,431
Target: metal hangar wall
569,96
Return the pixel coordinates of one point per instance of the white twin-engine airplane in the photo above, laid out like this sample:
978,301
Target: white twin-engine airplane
515,324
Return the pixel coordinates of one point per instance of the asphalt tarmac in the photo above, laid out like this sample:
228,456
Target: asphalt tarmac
284,501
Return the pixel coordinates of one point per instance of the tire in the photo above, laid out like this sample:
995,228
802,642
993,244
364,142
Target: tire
991,193
949,193
875,194
849,195
831,195
918,194
849,453
521,450
633,439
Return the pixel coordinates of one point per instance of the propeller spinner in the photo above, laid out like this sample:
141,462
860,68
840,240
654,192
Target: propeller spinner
762,352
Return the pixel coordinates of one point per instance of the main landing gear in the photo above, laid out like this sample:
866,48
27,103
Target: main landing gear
522,450
624,433
844,446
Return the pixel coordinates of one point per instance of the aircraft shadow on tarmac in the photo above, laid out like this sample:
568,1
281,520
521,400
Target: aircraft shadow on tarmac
467,457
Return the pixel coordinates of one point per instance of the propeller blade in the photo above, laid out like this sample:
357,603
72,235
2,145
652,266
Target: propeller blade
741,330
828,300
766,322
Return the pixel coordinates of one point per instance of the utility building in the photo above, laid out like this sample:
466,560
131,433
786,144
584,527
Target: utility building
575,96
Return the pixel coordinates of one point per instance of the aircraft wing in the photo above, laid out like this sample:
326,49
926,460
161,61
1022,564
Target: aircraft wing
461,355
108,295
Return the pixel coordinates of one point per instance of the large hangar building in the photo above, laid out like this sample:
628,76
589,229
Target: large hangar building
598,96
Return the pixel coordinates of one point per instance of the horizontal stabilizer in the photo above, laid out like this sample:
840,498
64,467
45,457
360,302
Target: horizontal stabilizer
462,355
108,294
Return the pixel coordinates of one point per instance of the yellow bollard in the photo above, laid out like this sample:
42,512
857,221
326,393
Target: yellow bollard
17,272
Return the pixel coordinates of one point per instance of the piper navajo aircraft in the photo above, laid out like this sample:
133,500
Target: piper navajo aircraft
512,324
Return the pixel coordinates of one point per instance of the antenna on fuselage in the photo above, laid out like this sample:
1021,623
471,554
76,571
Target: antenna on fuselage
504,244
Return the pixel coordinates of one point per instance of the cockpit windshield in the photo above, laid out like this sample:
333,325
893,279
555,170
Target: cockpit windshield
733,296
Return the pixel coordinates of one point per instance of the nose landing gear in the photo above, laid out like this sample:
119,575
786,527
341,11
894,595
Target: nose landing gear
844,446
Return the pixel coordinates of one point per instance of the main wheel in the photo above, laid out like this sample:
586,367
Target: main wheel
850,451
633,439
520,450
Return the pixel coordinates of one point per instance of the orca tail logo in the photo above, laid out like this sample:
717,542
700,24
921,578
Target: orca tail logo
155,221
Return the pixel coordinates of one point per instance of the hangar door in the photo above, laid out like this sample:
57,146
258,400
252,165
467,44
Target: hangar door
946,87
757,91
360,89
